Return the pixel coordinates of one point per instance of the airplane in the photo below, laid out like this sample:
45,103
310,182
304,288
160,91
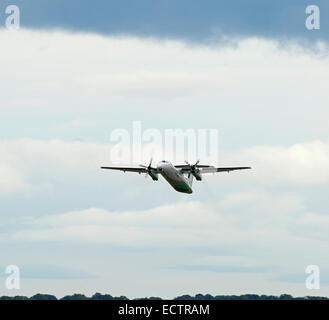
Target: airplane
180,177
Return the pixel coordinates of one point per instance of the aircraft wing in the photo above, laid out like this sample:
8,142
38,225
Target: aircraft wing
187,166
128,169
208,169
211,169
231,169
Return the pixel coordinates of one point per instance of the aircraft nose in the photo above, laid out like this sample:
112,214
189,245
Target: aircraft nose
160,166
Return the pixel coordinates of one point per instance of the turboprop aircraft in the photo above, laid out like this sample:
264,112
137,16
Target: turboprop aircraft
180,177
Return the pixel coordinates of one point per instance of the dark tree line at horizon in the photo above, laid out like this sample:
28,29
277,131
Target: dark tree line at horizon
99,296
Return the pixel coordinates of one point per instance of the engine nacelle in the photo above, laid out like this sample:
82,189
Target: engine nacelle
154,175
197,175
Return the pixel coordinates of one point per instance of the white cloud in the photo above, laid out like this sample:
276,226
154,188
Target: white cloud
12,179
59,72
239,219
254,83
22,159
78,123
302,164
189,239
314,225
158,226
255,231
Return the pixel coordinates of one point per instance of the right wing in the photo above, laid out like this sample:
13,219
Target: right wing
129,169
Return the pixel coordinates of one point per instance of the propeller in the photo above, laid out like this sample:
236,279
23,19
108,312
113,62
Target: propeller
149,167
194,170
192,166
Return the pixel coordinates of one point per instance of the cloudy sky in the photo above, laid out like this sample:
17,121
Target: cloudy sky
76,71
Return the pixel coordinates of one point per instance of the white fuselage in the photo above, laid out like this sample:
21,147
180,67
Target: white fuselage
175,177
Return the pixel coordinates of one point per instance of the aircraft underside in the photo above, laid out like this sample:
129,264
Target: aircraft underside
179,183
180,177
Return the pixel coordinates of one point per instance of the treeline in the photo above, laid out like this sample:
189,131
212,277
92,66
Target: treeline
99,296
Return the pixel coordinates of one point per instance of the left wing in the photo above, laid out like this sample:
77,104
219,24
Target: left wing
207,169
232,169
227,169
187,166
